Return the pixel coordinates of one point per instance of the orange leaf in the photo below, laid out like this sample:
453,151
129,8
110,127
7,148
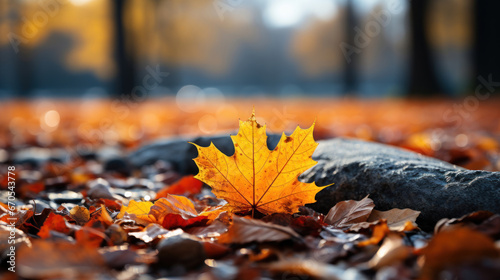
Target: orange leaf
172,204
139,211
91,234
349,212
256,178
53,222
379,232
185,186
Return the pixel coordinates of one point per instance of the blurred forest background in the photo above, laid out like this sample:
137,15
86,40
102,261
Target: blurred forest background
364,48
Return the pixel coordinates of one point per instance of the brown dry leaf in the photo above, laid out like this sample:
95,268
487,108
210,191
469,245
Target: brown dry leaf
149,233
62,260
470,219
349,212
455,247
80,214
396,218
245,230
391,251
257,179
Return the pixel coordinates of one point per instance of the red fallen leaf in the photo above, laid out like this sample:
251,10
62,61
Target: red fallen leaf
53,222
306,225
31,189
215,250
91,235
113,205
185,186
172,221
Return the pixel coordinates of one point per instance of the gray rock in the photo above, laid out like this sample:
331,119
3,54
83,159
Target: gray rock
99,188
180,153
396,178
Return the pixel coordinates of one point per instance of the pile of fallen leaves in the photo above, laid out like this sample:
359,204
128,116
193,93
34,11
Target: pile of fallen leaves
78,222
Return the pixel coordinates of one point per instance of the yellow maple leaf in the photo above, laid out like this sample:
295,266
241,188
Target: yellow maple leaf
255,178
139,211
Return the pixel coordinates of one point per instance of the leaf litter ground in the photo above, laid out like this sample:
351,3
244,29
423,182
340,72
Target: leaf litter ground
76,221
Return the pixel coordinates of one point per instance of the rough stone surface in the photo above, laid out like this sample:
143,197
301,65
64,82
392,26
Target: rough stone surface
396,178
393,177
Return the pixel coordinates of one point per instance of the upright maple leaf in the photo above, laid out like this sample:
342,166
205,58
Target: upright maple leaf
256,178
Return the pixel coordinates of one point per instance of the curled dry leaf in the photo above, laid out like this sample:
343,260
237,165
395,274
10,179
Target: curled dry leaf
149,233
245,230
255,178
396,218
80,214
176,211
172,204
391,251
349,212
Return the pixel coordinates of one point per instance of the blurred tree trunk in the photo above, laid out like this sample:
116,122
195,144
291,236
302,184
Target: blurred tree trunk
423,80
125,74
487,46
